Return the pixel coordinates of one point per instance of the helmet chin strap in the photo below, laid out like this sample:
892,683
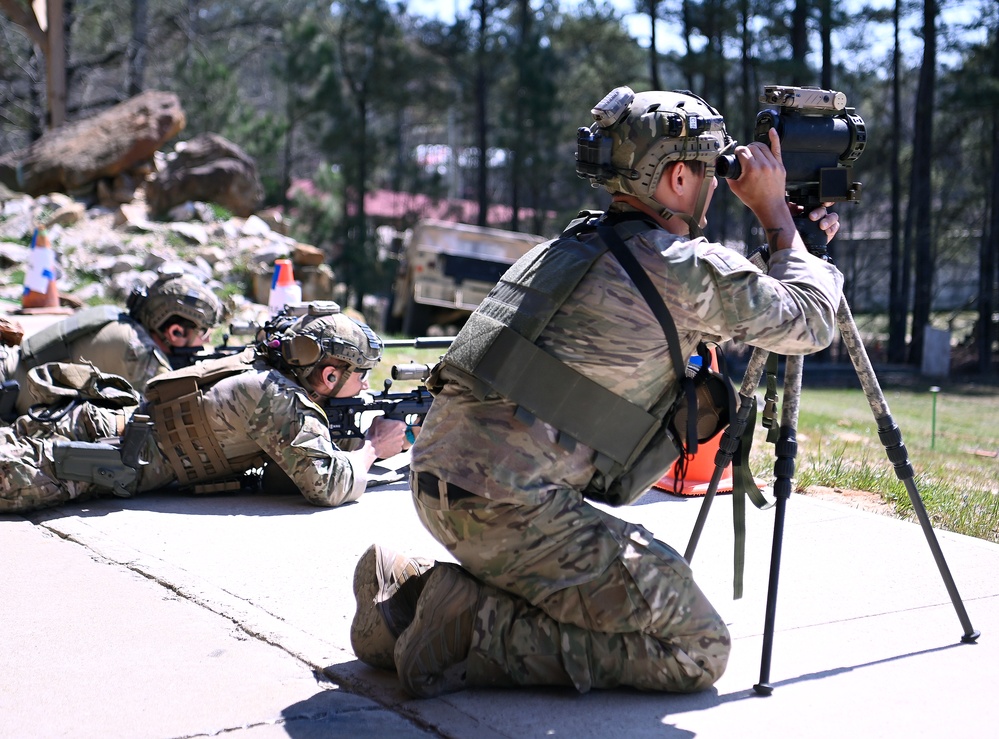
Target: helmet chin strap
666,213
702,199
693,220
344,376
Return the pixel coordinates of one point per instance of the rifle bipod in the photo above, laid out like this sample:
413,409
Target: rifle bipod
786,450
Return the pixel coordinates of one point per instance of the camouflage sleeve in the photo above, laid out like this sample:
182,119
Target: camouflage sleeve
294,433
790,310
123,348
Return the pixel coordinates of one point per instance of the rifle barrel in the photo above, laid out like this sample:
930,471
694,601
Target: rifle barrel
423,342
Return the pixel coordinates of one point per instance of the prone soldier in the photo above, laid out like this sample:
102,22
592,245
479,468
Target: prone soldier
203,427
176,312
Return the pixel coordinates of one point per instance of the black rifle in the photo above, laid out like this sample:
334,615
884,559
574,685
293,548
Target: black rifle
410,407
185,356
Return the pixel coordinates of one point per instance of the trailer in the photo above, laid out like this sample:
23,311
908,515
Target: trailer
445,271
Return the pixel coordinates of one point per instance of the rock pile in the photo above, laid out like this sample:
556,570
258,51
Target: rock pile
103,252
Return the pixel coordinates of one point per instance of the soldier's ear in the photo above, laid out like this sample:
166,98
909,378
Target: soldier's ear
176,335
329,375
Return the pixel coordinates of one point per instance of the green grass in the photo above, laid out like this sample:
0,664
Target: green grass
954,458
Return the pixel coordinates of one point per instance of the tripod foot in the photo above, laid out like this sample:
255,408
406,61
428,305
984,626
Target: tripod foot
971,638
763,688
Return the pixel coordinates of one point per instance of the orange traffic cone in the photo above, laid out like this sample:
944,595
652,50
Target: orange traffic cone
41,293
284,289
700,468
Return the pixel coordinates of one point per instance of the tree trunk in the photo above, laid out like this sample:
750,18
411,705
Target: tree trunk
989,245
43,23
920,190
898,308
517,148
55,64
825,26
748,107
799,43
987,263
653,8
135,72
688,30
481,122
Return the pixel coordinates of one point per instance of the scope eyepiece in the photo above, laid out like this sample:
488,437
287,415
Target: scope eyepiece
727,167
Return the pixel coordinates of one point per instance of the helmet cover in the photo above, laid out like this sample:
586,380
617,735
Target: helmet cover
172,295
312,339
646,131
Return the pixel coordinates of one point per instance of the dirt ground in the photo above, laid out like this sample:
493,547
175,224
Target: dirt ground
860,499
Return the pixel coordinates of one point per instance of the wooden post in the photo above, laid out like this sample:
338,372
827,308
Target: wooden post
55,63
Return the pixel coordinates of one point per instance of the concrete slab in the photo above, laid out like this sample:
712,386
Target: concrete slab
92,648
867,641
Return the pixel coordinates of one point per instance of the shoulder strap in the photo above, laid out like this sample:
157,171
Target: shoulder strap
644,284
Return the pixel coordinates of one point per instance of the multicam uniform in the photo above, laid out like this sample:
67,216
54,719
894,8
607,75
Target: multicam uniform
577,593
120,347
256,415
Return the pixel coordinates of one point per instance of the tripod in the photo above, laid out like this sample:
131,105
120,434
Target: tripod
786,449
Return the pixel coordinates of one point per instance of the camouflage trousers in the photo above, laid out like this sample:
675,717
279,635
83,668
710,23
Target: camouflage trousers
580,597
28,480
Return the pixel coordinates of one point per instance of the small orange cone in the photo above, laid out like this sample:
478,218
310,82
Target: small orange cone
41,293
284,289
700,467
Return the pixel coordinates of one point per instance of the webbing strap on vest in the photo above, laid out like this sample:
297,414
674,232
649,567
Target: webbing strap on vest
186,438
744,484
600,419
658,307
51,344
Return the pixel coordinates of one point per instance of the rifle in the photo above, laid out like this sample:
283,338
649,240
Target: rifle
410,407
345,413
185,356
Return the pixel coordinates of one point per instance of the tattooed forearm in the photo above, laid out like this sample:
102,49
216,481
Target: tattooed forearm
773,238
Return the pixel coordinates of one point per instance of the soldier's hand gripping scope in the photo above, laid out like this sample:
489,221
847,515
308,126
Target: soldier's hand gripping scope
820,139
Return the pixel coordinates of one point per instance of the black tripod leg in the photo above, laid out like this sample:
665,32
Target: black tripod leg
786,449
730,441
891,438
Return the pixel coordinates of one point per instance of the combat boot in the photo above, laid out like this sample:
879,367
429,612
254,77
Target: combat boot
431,655
387,586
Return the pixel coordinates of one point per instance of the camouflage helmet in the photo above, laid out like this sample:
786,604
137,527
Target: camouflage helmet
323,333
634,136
175,294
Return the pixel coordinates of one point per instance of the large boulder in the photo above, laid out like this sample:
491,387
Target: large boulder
74,157
208,168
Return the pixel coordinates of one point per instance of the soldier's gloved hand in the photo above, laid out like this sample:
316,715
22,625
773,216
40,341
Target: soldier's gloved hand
387,436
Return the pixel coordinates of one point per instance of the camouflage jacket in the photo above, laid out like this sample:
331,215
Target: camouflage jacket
261,416
607,332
